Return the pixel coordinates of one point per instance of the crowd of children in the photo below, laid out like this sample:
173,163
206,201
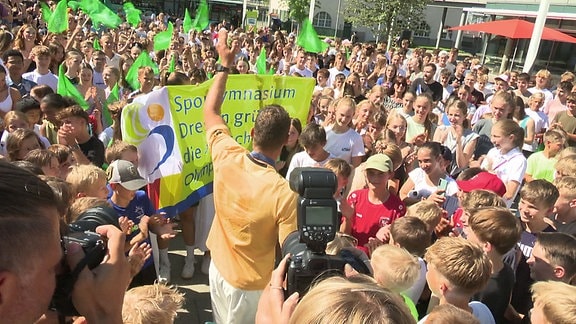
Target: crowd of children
460,192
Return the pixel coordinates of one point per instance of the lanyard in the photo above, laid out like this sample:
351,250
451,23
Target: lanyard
263,158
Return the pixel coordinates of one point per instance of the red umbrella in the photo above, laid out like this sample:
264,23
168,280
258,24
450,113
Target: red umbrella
516,28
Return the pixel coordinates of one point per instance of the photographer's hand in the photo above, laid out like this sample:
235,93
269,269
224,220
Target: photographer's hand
98,294
272,308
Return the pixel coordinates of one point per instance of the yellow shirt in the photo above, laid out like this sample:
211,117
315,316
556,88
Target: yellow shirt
255,210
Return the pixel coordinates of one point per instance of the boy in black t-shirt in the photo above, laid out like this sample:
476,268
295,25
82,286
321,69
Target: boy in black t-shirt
75,133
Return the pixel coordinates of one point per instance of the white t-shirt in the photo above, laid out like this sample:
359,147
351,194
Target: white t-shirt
49,79
344,146
418,176
106,136
304,72
508,167
415,291
479,310
540,120
302,159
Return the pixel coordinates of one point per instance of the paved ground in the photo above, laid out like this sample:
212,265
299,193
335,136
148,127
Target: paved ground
197,309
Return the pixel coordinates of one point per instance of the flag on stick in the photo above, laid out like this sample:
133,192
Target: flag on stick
309,40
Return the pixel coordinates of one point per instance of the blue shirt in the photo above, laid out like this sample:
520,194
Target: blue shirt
138,207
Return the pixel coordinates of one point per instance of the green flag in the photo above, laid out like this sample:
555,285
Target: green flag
132,74
187,24
46,12
74,5
58,22
133,15
99,13
114,95
261,62
66,88
202,19
162,40
347,53
309,40
96,44
172,66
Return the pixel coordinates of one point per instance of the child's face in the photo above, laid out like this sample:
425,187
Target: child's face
455,116
398,127
28,144
338,83
433,278
408,102
342,182
363,113
323,105
98,189
124,193
428,163
344,115
42,61
540,267
53,169
535,103
49,113
320,79
500,140
292,136
463,95
472,237
16,124
377,179
554,147
78,124
564,203
33,116
421,107
316,152
530,212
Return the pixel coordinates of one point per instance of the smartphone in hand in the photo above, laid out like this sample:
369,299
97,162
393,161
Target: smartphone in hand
442,185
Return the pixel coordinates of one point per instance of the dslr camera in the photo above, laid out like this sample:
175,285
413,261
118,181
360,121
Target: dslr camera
82,232
318,223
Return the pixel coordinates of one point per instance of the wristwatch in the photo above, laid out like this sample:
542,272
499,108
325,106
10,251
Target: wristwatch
222,68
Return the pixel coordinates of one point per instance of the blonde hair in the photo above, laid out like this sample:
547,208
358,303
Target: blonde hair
481,198
13,115
155,303
114,152
566,186
462,263
557,299
394,267
428,211
448,313
509,127
566,166
340,241
40,50
82,204
339,166
350,302
15,140
83,176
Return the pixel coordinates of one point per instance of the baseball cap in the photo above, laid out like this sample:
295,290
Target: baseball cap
380,162
483,180
503,77
126,174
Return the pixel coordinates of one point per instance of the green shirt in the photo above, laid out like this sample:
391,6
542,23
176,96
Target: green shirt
541,167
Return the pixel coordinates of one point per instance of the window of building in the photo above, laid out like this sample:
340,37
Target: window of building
322,19
422,30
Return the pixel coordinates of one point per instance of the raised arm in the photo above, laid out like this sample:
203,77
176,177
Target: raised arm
215,95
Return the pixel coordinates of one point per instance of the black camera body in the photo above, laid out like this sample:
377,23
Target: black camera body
82,232
317,225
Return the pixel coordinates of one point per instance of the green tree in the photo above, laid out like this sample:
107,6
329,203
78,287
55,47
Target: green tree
299,9
385,18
